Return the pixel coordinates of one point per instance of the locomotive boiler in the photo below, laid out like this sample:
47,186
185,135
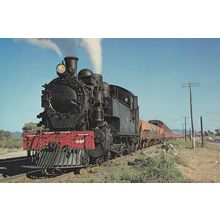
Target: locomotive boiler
84,120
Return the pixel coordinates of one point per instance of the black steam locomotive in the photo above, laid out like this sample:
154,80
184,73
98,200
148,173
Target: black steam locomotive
85,120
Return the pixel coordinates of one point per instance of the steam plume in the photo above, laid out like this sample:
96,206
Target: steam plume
94,49
42,43
66,47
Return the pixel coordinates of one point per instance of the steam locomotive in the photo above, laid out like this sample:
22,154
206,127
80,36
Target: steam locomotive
86,120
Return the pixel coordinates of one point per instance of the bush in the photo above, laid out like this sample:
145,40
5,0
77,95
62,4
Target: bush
7,140
31,126
160,168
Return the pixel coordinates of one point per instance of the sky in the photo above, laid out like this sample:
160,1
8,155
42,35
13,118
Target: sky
153,69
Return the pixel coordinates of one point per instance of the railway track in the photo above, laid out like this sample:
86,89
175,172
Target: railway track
12,166
19,178
11,160
14,170
36,176
64,175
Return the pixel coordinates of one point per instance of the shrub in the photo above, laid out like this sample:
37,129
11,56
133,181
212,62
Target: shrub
7,140
160,168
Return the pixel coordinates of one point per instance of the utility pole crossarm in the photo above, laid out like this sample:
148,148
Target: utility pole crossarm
190,84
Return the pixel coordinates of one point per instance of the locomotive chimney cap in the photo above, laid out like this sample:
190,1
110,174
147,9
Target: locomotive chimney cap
71,58
71,65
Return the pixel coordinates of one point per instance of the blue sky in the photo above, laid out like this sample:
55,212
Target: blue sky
153,69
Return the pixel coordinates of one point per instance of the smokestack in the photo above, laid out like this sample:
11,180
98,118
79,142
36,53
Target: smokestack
71,65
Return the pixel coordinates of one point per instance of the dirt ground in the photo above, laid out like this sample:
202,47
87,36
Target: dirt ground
201,165
8,153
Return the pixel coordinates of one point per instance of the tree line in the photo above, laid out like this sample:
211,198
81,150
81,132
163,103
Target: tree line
8,140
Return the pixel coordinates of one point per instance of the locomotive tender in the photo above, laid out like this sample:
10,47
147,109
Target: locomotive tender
85,120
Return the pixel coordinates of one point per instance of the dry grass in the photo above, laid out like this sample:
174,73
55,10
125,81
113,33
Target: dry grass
157,168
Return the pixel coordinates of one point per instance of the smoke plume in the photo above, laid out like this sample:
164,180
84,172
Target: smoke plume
42,43
67,47
94,49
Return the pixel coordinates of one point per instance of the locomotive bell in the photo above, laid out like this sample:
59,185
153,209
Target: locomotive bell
71,65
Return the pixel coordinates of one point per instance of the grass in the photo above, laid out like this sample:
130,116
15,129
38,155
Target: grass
181,142
161,168
14,143
212,147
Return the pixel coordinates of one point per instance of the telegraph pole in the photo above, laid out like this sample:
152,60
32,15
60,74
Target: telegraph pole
201,131
185,133
190,133
183,129
190,85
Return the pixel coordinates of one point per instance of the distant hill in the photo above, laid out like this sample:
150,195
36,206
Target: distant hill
179,131
16,134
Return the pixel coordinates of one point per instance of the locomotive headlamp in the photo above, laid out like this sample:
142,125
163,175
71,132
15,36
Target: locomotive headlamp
61,69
